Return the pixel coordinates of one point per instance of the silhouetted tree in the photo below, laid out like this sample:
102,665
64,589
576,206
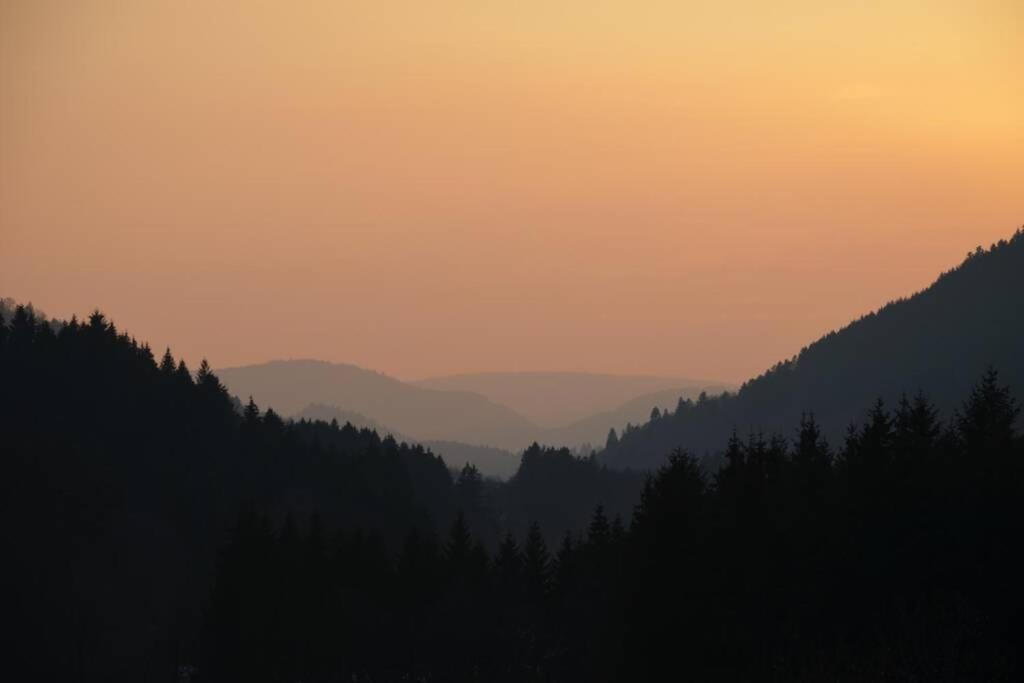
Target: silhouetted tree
613,439
537,564
152,522
986,421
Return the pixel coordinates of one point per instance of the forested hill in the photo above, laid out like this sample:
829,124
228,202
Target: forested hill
344,556
491,462
123,473
290,386
937,341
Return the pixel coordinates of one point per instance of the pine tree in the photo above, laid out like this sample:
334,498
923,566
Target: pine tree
469,489
730,479
272,421
98,323
872,445
537,563
565,565
167,366
457,550
812,459
22,330
205,378
183,374
599,531
618,534
508,564
916,429
251,414
986,421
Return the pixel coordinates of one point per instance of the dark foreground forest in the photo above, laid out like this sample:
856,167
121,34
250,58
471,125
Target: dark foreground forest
155,530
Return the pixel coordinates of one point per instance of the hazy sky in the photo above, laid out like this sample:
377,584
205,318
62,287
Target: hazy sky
434,187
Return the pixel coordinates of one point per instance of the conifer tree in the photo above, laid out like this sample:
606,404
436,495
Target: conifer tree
915,429
167,366
469,489
459,545
206,379
537,563
599,531
986,421
565,564
251,414
508,563
183,374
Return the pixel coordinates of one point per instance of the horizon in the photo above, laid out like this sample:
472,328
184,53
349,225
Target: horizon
681,190
729,384
564,341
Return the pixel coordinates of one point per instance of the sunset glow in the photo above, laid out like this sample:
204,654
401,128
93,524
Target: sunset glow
424,188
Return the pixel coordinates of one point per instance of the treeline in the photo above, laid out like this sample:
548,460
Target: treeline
123,473
895,557
154,528
890,558
939,340
291,605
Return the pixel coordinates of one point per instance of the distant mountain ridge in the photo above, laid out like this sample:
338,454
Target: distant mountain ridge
464,421
558,399
492,462
939,341
290,386
593,429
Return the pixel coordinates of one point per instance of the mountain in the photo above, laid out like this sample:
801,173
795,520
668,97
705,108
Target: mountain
154,531
593,429
129,483
474,426
289,386
122,475
325,413
938,341
557,399
492,462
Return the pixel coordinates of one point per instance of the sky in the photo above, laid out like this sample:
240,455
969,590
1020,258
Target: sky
423,188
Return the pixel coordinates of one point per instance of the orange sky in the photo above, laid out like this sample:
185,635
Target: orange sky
434,187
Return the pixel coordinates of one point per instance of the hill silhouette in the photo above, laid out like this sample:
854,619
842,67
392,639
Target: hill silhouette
937,341
124,474
292,385
471,423
558,399
492,462
592,431
157,531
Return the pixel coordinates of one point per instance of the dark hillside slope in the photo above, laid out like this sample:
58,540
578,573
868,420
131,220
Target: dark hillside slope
492,462
556,399
427,414
937,341
593,429
121,477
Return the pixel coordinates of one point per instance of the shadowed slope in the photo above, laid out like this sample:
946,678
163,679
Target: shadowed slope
558,399
937,341
492,462
290,386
